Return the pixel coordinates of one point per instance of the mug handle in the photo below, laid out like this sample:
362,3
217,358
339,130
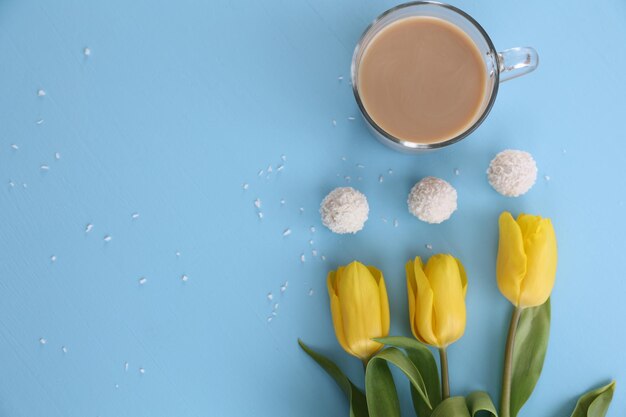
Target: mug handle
515,62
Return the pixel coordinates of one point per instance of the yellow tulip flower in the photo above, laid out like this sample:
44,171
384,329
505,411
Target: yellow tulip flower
527,257
437,299
360,309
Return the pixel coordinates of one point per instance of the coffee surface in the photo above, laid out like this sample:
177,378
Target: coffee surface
422,79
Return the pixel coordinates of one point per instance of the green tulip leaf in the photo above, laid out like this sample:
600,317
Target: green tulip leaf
480,401
423,359
529,351
380,389
595,403
356,398
452,407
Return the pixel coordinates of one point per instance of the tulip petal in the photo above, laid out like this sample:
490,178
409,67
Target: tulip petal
384,300
449,303
463,276
511,262
335,309
422,321
541,252
360,309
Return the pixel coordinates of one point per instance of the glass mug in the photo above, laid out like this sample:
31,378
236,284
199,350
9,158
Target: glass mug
499,66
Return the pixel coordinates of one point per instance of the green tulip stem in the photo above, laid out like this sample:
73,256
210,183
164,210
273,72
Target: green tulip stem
505,403
445,382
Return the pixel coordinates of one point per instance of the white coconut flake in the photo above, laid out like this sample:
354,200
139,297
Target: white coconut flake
39,122
245,186
512,172
311,292
547,178
301,209
334,123
340,78
323,257
41,92
457,171
260,214
126,366
57,155
270,169
432,200
107,238
312,229
64,349
142,371
257,203
43,341
87,51
44,167
287,232
14,146
283,157
396,223
314,252
351,118
381,179
282,202
88,228
344,210
53,258
184,278
143,280
302,258
261,173
429,246
270,296
360,166
280,167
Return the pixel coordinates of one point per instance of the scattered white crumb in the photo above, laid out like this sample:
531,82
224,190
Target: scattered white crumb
390,171
311,292
512,172
11,183
43,340
270,169
184,278
283,157
314,252
564,151
334,122
312,229
344,210
343,158
245,186
275,307
88,228
381,179
287,232
323,257
457,171
134,216
283,287
257,203
117,386
57,155
302,258
41,92
360,166
125,366
24,185
269,319
14,146
396,223
87,51
432,200
280,167
177,253
260,214
261,172
44,167
107,238
270,296
142,371
53,258
40,121
64,349
429,246
143,280
547,178
351,118
311,242
282,202
301,209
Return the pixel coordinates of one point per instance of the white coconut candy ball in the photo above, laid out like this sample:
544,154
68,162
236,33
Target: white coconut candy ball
512,172
344,210
432,200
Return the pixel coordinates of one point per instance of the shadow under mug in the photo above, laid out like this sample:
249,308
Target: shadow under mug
499,66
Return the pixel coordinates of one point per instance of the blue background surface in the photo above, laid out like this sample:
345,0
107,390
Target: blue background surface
178,105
